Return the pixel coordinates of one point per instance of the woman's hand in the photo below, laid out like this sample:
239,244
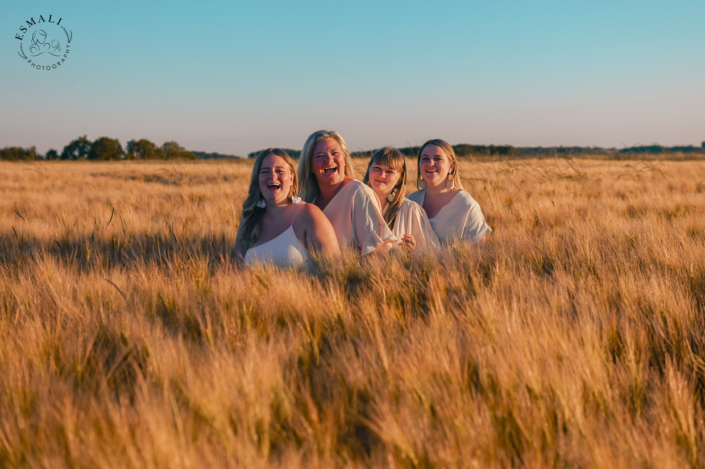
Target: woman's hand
408,242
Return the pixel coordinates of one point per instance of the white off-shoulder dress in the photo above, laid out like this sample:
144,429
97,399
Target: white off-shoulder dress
412,220
461,218
356,216
283,251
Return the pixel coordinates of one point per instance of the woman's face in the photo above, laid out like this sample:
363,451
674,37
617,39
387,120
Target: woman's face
383,179
434,165
275,179
328,163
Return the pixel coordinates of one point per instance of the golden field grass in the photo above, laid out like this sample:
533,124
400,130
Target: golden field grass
574,338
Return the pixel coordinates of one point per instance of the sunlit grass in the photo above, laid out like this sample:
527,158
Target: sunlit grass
574,337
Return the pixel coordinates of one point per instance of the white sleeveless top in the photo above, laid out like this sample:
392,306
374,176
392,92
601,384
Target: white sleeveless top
283,251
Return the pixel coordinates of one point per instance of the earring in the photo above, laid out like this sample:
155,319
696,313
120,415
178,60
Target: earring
391,196
261,204
296,200
450,183
420,183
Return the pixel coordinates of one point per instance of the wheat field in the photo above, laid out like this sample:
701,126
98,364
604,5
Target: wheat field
574,337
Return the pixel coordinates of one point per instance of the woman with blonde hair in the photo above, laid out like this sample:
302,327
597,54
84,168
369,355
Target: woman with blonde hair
326,177
386,175
453,213
276,227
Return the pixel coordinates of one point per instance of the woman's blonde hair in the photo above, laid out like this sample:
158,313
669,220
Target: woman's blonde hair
252,215
309,184
390,157
448,149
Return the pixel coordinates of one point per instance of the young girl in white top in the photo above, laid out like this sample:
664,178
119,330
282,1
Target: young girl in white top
386,175
326,176
276,227
452,212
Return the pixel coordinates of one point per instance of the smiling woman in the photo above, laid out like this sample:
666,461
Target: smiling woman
386,175
276,227
326,175
453,213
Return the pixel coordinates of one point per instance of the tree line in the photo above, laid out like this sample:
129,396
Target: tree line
510,151
106,148
102,149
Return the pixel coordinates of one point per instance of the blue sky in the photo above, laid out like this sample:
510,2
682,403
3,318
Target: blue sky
237,77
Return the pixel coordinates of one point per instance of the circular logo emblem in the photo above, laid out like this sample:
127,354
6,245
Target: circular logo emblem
44,42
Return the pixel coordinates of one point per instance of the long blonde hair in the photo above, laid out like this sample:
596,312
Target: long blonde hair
390,157
448,149
309,184
252,215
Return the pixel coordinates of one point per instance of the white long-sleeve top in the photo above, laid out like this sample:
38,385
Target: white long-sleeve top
356,216
461,218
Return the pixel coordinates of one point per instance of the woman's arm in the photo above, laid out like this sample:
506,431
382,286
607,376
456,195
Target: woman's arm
476,228
318,232
413,221
371,232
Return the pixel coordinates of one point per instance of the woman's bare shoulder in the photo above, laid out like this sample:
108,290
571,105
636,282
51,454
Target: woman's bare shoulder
311,213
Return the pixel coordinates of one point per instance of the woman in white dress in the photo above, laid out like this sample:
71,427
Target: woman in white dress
276,227
326,178
386,175
452,212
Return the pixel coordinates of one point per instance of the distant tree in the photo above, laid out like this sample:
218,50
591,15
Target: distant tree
202,155
78,148
130,150
144,149
18,154
51,155
643,149
410,151
173,150
106,148
465,150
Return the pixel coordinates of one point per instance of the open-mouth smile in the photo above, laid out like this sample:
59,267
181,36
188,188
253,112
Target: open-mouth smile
330,170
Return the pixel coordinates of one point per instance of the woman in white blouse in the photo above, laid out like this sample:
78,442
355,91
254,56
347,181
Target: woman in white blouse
452,212
386,175
326,178
276,227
